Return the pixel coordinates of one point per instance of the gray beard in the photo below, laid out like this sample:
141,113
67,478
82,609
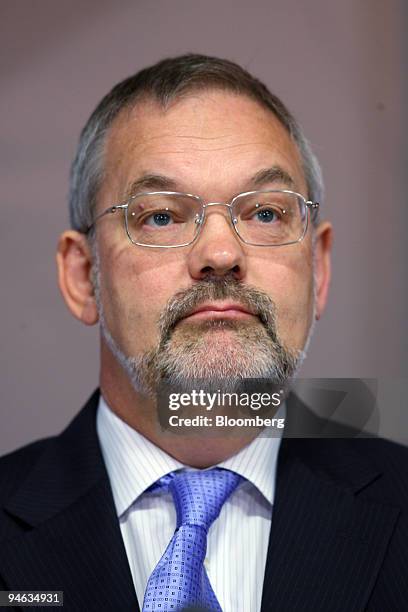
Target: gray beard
197,351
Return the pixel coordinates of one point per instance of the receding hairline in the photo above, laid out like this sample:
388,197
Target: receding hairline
151,98
156,103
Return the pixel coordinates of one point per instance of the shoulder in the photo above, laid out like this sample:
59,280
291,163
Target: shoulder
373,467
15,470
15,466
386,448
385,455
47,459
390,458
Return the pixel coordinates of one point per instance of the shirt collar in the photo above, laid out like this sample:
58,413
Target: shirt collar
134,463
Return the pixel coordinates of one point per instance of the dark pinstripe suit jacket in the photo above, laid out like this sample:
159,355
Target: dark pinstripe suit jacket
338,543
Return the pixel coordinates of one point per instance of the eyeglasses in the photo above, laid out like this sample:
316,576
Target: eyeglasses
170,219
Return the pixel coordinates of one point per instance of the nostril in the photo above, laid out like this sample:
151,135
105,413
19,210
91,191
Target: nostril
210,271
207,270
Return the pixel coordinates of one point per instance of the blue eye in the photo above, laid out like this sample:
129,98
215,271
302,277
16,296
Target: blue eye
160,219
266,215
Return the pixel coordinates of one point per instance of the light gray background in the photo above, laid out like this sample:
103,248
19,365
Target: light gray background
338,65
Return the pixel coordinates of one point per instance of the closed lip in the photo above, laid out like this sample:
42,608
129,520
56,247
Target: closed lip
220,310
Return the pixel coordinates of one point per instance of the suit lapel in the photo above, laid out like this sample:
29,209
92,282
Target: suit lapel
327,543
72,540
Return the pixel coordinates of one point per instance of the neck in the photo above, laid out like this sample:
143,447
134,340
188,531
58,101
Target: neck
199,450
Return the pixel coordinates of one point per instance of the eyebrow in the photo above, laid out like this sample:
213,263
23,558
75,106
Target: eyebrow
155,182
159,182
274,174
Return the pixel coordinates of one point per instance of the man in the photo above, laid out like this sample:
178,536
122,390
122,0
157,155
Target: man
196,244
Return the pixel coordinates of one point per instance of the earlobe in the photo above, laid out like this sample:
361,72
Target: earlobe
322,249
74,263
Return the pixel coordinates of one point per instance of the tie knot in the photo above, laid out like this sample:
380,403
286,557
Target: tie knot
200,495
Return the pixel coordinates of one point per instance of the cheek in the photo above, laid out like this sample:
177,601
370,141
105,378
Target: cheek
289,282
296,315
134,294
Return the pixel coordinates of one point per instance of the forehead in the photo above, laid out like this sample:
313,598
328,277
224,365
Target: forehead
207,141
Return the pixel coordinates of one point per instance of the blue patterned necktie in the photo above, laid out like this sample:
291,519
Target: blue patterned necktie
179,580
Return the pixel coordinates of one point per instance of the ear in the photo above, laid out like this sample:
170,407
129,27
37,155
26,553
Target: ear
74,263
323,238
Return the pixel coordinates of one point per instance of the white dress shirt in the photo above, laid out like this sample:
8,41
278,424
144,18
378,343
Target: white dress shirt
237,541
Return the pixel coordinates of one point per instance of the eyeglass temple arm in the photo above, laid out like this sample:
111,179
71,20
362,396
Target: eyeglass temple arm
314,207
111,209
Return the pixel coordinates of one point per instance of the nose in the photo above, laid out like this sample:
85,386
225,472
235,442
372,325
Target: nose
217,251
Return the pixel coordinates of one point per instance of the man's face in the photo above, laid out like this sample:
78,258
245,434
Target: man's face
211,144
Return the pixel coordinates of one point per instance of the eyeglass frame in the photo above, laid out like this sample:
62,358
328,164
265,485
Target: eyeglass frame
310,205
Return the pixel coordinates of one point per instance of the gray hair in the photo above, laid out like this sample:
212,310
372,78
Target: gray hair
164,82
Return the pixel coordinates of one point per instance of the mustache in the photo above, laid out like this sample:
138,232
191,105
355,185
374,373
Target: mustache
218,288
